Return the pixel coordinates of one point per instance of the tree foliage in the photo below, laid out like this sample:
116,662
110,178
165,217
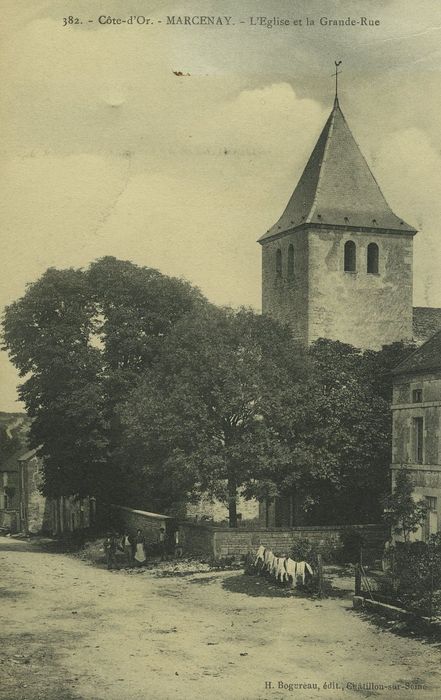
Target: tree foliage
341,433
204,410
402,512
79,339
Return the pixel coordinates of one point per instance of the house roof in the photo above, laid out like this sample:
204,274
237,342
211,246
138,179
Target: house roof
28,455
337,187
426,322
426,358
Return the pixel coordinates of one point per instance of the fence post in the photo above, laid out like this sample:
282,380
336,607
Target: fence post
431,585
320,575
357,579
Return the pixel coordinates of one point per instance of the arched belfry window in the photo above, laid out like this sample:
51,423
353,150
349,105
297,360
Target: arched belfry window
350,256
372,258
278,262
291,260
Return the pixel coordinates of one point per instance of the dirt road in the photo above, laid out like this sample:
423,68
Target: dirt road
70,630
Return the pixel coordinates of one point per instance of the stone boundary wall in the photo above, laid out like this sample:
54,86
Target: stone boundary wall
237,543
198,539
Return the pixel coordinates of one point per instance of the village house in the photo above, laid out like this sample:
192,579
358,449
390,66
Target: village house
416,437
24,509
10,494
14,429
54,516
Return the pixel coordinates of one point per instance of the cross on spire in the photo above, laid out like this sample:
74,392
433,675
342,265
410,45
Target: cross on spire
337,73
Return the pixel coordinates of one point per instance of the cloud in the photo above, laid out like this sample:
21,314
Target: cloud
409,167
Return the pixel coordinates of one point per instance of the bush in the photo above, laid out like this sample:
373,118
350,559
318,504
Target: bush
414,577
305,550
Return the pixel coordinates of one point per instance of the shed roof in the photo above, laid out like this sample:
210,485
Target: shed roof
146,513
28,455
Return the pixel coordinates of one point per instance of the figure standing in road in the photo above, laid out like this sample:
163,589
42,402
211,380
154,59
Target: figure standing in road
140,555
127,546
178,543
162,543
110,547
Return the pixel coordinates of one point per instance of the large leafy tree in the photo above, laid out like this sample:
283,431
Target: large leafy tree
231,403
80,339
339,429
48,334
201,419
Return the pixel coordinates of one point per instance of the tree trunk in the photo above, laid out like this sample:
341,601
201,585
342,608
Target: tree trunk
232,505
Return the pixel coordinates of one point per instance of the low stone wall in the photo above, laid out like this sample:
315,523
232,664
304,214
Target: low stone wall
238,542
392,612
197,540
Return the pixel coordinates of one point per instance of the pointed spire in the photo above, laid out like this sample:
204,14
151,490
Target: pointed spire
337,187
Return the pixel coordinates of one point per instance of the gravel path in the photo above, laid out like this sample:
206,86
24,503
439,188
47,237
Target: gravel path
69,630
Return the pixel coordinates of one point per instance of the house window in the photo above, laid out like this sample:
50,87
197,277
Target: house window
350,256
291,261
5,478
417,396
430,527
372,258
278,262
418,436
432,505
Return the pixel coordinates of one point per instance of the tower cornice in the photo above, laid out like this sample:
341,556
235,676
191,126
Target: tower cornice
336,227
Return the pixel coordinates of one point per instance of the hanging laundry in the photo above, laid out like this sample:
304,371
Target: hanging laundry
269,561
301,567
291,567
274,565
259,556
281,572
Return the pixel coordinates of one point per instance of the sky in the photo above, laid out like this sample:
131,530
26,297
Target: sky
105,151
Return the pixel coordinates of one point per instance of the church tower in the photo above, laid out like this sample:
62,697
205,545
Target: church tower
338,262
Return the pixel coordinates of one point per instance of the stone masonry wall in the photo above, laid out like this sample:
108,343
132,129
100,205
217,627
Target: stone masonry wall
286,297
204,540
364,309
238,542
196,540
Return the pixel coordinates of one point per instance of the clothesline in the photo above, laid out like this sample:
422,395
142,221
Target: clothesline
284,569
